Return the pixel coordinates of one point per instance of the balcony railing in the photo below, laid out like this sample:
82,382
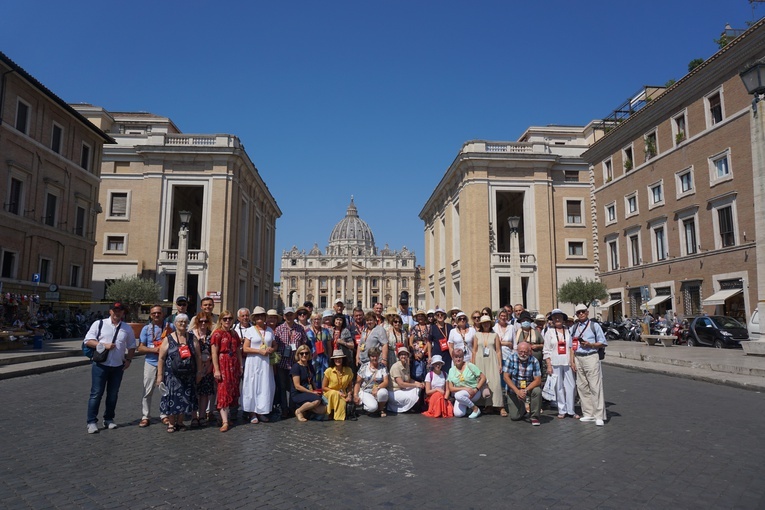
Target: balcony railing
171,256
504,258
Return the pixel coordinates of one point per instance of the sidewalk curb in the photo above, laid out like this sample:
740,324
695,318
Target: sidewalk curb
41,367
746,382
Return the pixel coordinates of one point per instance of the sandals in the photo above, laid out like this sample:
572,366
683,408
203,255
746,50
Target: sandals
383,414
503,412
144,423
254,419
195,423
224,427
263,418
170,429
561,416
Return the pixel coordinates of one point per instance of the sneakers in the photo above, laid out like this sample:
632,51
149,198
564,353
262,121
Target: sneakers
475,414
535,422
92,428
587,418
599,422
110,425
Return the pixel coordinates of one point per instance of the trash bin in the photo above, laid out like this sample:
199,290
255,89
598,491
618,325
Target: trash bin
37,341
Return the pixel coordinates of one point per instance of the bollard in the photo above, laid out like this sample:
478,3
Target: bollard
38,342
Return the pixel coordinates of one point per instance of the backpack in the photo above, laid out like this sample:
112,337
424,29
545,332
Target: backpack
180,367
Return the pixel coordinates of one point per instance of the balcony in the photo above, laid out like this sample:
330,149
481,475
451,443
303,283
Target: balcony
178,140
169,258
499,259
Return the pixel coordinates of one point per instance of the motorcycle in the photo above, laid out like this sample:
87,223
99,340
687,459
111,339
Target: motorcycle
679,331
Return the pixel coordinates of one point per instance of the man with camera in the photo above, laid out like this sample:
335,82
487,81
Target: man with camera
116,339
586,338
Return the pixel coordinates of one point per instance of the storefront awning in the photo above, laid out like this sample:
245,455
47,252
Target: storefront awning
719,297
658,299
609,304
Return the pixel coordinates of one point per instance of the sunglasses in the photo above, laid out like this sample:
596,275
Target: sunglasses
396,322
204,321
464,318
304,353
475,318
227,318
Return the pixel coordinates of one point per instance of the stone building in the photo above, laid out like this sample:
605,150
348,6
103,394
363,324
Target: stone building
49,154
155,171
672,179
351,268
540,179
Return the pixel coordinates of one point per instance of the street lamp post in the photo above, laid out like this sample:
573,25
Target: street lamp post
183,255
516,290
754,81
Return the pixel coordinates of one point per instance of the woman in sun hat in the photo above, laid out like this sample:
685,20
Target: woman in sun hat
439,339
558,358
436,392
371,389
338,385
487,356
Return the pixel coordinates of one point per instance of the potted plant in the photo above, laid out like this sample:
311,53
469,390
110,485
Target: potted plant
628,165
133,292
679,137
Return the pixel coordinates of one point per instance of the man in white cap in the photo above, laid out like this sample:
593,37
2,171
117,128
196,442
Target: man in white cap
586,338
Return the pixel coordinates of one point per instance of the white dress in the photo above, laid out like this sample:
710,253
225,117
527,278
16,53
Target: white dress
258,385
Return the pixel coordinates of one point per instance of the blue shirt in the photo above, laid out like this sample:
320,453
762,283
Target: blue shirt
521,370
149,334
589,332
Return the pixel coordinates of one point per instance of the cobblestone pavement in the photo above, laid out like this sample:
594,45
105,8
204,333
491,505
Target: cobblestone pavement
668,442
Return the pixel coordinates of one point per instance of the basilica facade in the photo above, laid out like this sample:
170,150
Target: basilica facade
350,268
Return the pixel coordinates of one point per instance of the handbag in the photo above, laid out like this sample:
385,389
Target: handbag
274,358
548,392
92,353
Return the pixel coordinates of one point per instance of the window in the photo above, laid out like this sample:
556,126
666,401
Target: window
613,255
628,158
85,156
679,129
574,212
656,194
115,243
8,267
50,210
611,213
630,205
403,263
404,283
608,170
570,176
79,221
57,134
719,167
634,250
725,221
45,265
576,249
659,244
684,182
323,283
15,197
651,149
119,205
293,282
74,276
689,233
22,116
714,109
374,283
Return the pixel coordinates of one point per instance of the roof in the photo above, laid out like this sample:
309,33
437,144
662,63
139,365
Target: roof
53,97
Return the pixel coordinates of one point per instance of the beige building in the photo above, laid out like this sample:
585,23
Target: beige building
542,179
153,172
351,268
49,186
672,180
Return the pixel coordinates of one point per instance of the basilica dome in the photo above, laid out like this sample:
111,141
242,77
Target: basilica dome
352,232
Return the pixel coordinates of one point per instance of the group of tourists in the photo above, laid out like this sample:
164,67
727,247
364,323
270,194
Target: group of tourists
330,365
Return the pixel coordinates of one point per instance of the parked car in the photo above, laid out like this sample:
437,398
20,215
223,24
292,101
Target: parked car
754,325
717,331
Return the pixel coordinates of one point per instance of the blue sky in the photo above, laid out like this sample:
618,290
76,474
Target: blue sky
365,98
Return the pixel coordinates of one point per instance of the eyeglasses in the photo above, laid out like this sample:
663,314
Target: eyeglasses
203,321
227,318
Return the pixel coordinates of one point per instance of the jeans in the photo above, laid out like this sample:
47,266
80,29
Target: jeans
108,379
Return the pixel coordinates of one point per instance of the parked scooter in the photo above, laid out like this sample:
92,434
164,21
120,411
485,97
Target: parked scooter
634,331
679,331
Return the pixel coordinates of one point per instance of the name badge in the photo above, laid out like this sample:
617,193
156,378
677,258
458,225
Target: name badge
485,352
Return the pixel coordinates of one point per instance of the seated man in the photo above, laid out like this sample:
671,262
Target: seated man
523,376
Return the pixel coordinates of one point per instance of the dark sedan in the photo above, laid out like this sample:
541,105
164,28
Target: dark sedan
716,331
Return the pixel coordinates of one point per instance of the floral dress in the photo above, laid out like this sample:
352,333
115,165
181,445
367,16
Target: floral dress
181,395
228,343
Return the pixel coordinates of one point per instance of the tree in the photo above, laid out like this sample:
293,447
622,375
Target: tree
580,290
133,291
693,64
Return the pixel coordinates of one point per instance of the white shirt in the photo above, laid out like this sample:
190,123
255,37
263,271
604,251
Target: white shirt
124,340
